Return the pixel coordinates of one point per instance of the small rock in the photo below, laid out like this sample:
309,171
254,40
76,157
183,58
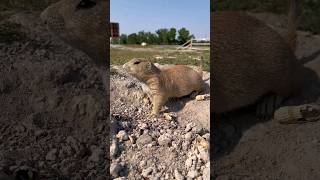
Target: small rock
122,135
115,169
207,136
164,139
200,97
51,155
192,174
185,145
144,139
177,175
189,127
206,171
142,164
143,126
169,116
146,172
188,136
202,142
204,155
188,163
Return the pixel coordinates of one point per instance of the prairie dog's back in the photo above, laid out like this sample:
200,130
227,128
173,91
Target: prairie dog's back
181,80
250,60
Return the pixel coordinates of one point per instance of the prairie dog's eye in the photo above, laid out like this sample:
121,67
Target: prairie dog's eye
86,4
136,62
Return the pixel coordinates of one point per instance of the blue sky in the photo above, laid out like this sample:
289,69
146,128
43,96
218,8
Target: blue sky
150,15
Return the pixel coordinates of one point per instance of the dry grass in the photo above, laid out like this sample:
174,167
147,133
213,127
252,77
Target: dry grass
121,56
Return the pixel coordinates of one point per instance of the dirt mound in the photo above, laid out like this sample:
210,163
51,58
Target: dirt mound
53,107
143,147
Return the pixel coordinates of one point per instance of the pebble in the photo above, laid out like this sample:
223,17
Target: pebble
142,164
189,127
146,172
192,174
206,171
122,135
185,145
115,169
206,136
177,175
164,139
143,126
188,136
188,163
144,139
203,155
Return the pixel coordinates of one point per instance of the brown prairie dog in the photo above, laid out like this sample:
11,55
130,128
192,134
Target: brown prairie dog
176,81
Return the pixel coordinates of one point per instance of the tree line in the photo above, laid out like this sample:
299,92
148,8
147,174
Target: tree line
161,36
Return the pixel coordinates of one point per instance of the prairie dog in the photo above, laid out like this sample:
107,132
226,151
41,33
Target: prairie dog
251,60
82,24
176,81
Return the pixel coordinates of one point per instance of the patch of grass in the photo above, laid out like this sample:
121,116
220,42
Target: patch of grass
309,10
10,32
121,56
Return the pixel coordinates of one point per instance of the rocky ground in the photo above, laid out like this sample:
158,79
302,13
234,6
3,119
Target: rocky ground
156,148
53,120
247,148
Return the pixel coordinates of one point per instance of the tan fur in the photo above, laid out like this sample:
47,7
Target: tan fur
250,60
176,81
83,28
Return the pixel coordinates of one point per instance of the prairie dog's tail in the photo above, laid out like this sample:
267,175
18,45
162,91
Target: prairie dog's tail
292,24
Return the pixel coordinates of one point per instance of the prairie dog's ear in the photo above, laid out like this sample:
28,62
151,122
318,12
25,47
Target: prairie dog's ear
136,61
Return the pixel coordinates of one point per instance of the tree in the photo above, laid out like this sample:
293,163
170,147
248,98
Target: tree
151,38
172,36
123,39
133,39
115,40
184,36
142,37
162,35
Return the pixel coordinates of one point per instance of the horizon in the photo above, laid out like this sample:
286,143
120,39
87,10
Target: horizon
132,16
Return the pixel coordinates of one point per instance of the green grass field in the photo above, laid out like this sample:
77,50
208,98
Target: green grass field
119,56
